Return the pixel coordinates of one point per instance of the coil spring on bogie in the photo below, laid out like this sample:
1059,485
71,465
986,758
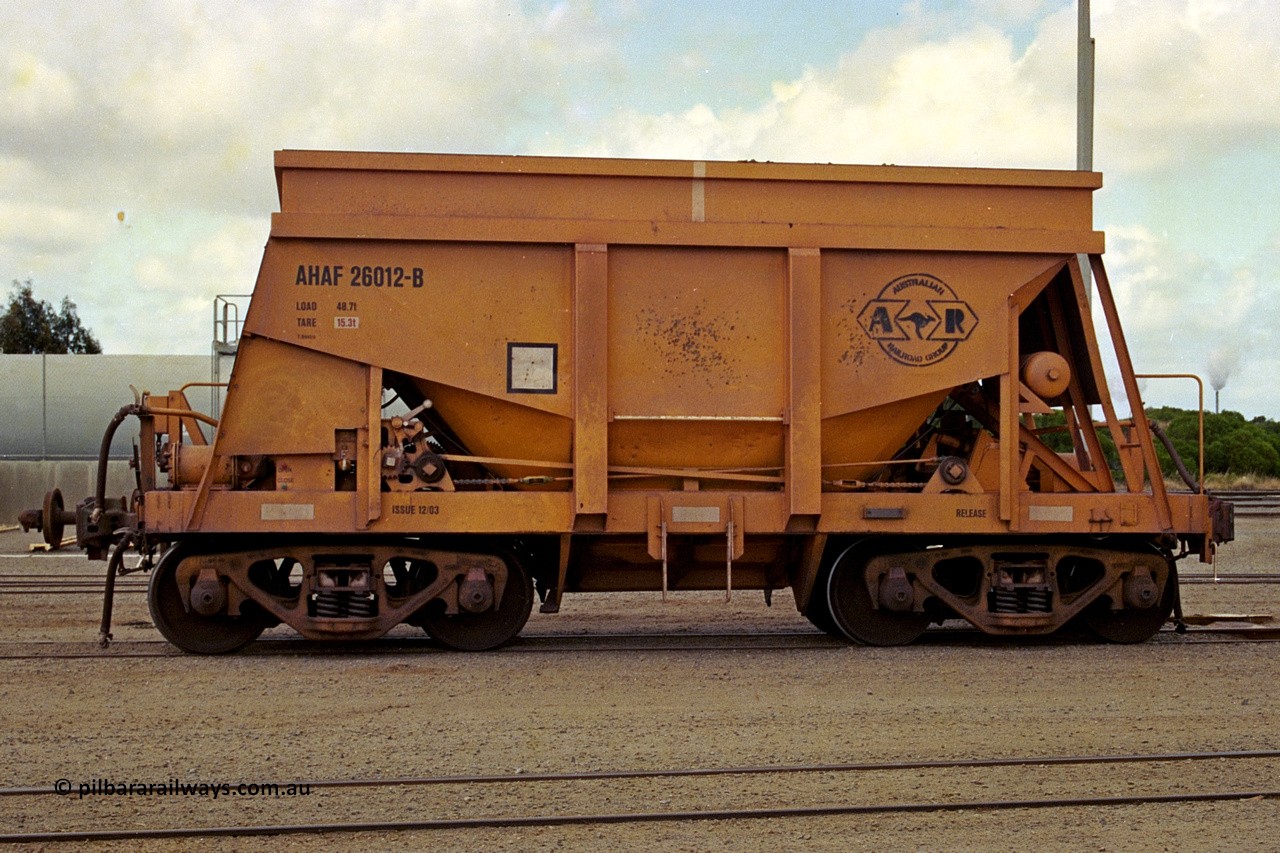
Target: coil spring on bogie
1021,599
344,604
1039,599
329,605
1004,600
362,605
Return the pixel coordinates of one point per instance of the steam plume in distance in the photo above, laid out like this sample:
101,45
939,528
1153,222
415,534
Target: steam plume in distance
1222,363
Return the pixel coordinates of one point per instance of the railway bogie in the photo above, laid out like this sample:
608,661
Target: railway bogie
462,380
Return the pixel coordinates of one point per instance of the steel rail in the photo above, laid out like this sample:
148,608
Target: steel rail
50,575
530,821
56,585
758,770
67,581
98,591
422,639
371,648
1233,578
554,644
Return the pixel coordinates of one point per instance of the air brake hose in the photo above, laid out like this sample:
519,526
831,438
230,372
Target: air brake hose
108,598
100,494
1173,454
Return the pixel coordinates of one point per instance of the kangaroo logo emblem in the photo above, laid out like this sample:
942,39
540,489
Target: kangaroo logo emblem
917,320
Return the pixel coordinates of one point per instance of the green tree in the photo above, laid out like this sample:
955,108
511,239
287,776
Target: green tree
1060,441
1183,429
31,326
1232,445
1248,451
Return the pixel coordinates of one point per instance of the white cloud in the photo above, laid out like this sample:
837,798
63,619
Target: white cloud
1180,311
1177,81
177,108
1014,11
174,278
966,100
33,91
1180,80
46,228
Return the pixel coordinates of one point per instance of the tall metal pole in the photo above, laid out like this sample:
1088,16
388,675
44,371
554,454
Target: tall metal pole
1084,91
1084,114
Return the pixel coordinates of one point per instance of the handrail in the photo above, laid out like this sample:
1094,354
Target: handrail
180,413
1200,384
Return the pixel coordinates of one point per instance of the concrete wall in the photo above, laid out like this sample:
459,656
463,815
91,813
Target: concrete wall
58,406
55,408
23,484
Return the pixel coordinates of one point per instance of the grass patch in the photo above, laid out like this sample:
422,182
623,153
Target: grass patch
1240,481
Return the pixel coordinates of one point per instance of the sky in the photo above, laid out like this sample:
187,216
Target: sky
136,137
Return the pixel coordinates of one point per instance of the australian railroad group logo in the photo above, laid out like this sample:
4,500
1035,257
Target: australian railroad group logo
917,320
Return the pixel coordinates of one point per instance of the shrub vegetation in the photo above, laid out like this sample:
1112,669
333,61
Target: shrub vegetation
1237,451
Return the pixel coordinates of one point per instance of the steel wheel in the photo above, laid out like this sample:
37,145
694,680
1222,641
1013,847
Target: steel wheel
53,525
189,630
475,632
853,612
819,610
1132,625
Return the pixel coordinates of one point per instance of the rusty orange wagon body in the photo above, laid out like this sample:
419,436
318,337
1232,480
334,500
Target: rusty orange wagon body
667,376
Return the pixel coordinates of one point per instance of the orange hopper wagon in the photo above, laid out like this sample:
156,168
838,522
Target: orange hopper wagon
467,381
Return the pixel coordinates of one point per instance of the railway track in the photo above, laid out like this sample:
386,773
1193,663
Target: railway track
1158,794
1251,502
1230,578
600,643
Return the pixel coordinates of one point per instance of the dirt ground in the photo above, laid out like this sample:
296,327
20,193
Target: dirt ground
264,717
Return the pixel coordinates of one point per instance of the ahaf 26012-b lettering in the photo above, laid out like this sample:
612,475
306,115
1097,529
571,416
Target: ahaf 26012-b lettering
333,275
